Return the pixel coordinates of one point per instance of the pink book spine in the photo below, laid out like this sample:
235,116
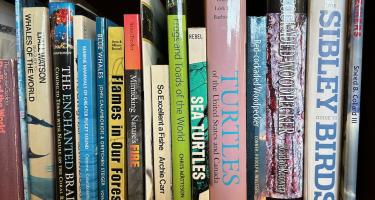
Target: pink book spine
226,38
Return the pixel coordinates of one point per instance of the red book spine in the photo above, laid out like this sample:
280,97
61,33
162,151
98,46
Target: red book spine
11,183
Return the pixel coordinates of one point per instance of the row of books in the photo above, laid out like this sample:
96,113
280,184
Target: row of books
246,108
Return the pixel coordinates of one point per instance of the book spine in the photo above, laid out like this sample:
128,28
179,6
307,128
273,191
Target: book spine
286,47
324,99
162,131
19,4
256,107
134,114
61,19
226,38
178,74
198,113
116,113
10,138
351,133
87,116
39,89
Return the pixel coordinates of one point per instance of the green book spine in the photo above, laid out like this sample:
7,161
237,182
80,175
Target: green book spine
179,99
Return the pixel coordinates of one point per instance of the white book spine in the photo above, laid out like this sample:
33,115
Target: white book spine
161,133
324,97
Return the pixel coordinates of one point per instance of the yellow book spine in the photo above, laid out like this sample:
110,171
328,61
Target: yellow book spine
116,114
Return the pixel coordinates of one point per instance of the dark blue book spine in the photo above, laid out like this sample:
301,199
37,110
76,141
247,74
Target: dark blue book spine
102,25
256,107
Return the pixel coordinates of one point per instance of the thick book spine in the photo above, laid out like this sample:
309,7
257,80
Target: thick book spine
87,116
11,182
200,174
162,131
116,114
353,98
134,107
61,19
102,25
19,4
324,98
286,50
178,75
226,38
256,70
39,89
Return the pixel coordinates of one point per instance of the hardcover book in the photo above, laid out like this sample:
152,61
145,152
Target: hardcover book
200,174
256,92
324,98
87,117
61,19
162,131
286,50
116,114
39,95
178,75
226,39
102,25
134,107
11,183
353,100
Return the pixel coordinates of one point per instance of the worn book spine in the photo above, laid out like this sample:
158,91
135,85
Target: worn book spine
11,180
162,131
324,98
39,94
256,92
286,50
116,115
200,174
178,74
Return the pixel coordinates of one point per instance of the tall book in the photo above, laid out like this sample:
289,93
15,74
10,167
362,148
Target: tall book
226,38
200,174
353,100
39,94
102,25
19,4
178,75
153,27
286,50
83,28
11,182
116,114
87,117
61,19
324,98
162,131
256,92
134,107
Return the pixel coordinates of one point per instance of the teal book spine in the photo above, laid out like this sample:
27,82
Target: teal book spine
87,117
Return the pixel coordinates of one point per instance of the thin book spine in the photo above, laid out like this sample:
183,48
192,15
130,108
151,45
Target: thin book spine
178,74
162,131
256,92
226,56
38,70
87,116
353,100
116,115
134,103
61,19
286,50
324,98
200,174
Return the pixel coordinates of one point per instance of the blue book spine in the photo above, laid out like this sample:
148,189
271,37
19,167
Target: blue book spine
102,25
22,95
87,117
256,107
